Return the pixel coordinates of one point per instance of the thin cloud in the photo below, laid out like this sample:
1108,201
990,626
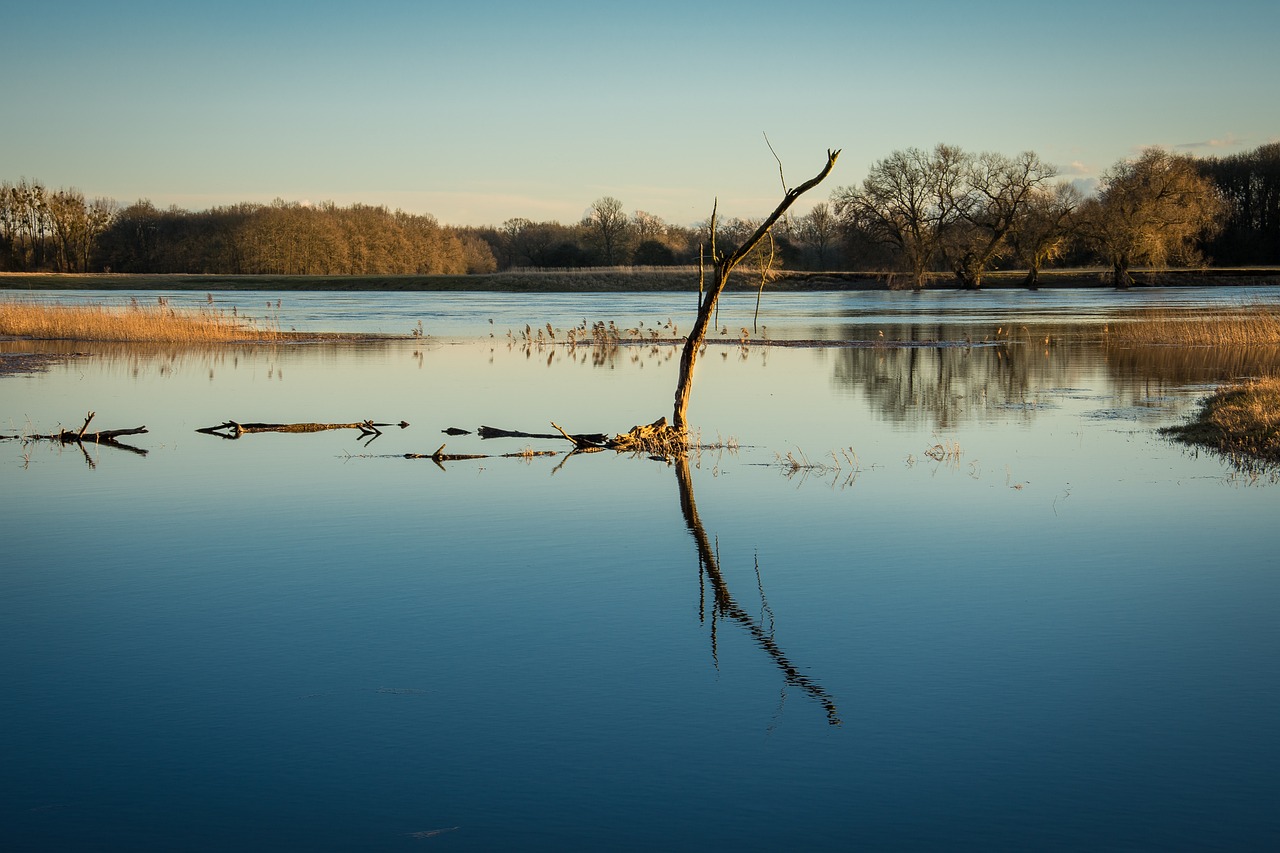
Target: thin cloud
1228,141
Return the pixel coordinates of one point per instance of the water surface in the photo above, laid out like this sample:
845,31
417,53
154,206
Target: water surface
990,607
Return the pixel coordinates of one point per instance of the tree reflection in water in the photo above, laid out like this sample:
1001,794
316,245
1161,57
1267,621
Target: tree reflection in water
724,605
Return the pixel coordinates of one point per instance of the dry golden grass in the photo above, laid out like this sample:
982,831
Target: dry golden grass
1244,326
134,323
1240,420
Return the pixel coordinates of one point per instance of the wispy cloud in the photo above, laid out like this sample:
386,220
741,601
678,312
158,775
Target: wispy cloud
1228,141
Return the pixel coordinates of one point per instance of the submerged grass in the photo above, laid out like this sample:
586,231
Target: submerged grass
133,323
1244,326
1239,421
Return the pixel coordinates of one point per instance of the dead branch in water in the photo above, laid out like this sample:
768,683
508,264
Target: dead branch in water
497,432
82,436
234,429
440,456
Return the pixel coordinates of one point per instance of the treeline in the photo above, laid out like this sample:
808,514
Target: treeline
58,231
921,212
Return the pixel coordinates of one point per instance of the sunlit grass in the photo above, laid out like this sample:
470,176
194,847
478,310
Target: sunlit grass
1244,326
133,323
1239,420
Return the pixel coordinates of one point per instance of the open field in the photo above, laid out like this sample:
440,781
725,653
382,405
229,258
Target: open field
635,279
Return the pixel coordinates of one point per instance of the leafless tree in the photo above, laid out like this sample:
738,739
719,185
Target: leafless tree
1150,211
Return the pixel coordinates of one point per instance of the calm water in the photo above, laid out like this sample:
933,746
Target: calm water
992,609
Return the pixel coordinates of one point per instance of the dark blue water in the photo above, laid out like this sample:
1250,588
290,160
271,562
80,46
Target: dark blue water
1057,632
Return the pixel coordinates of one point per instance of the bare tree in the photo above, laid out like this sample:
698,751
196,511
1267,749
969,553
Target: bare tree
606,225
1042,228
910,201
819,231
724,264
997,189
1150,211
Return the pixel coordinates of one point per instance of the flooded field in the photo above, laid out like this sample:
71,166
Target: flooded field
933,580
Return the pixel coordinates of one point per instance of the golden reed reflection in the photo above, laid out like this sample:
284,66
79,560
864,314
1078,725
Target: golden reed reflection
725,606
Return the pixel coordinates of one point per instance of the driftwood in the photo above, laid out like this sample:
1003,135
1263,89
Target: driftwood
440,456
585,442
657,438
233,429
82,436
598,438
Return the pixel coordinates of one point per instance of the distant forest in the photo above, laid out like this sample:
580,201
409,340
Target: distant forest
919,212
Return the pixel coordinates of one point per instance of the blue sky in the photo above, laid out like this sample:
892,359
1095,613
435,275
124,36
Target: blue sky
481,111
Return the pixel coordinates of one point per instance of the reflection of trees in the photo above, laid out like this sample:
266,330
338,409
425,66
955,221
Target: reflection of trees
949,378
1188,365
724,605
952,373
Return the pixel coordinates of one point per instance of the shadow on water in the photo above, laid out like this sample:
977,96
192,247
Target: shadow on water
724,606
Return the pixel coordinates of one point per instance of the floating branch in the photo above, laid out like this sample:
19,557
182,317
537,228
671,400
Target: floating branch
82,436
597,438
440,456
233,429
586,443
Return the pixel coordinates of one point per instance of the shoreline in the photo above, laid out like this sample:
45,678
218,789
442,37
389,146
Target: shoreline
620,280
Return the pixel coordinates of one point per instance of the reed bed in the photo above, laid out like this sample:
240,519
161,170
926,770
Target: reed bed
1244,326
132,323
1239,420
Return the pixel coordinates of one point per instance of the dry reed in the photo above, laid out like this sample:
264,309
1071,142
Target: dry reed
131,323
1239,420
1243,326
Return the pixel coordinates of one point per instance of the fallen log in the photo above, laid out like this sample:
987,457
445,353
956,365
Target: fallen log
82,436
584,441
496,432
234,429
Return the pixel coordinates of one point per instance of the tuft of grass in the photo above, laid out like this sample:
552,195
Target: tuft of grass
1244,326
1238,421
133,323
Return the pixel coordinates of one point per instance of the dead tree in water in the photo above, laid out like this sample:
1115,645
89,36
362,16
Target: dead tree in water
724,265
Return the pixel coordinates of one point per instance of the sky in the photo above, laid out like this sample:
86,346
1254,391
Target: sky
478,112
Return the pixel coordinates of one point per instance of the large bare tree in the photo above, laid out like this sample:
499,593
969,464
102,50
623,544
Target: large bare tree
998,188
1150,211
724,264
909,201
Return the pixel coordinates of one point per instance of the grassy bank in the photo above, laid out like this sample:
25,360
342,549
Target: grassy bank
1238,421
637,279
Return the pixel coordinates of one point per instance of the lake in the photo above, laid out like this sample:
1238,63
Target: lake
933,581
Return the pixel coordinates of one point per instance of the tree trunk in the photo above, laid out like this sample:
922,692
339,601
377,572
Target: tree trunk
723,267
1120,275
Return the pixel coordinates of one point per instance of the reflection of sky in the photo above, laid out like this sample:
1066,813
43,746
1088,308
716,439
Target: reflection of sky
822,315
1072,611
